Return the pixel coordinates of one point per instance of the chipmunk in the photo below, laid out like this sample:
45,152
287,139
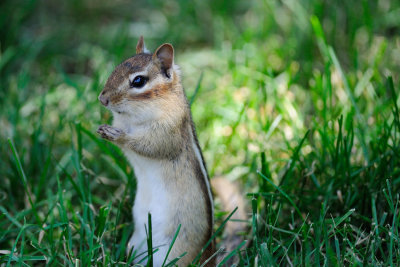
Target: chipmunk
152,124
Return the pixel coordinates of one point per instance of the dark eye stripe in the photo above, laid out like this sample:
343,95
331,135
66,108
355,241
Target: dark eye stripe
139,81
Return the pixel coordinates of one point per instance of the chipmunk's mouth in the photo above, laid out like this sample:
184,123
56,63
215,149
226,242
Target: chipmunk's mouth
117,110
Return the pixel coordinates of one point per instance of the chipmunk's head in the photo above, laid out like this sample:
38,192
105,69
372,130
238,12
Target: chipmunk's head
143,85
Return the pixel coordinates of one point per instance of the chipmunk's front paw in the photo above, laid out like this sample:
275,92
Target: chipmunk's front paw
110,133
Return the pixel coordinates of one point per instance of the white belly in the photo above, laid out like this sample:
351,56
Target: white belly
151,197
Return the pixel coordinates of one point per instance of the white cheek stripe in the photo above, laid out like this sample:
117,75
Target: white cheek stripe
203,170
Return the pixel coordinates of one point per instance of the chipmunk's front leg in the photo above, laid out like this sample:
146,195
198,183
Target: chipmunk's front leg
111,133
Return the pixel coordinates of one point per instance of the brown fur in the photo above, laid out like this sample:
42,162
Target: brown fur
140,46
121,73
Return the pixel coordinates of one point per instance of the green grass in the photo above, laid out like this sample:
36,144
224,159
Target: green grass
298,101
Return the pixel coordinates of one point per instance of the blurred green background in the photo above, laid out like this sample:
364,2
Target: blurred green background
261,74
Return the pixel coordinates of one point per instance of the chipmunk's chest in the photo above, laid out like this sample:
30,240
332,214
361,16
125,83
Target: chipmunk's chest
151,197
151,194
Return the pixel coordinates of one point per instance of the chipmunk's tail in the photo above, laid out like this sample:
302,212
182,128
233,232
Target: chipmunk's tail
231,197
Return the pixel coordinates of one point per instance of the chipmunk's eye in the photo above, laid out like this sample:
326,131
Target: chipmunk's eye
139,81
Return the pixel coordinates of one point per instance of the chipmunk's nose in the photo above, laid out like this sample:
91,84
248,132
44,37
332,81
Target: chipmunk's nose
103,99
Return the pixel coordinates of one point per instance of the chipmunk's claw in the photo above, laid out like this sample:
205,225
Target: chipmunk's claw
110,133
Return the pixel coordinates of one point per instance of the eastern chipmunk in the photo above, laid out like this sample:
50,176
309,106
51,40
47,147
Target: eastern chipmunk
153,126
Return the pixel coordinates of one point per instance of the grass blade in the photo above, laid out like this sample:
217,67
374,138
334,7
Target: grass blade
24,181
172,243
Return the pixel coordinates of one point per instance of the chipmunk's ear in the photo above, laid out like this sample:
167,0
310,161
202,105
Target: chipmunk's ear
140,47
165,54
